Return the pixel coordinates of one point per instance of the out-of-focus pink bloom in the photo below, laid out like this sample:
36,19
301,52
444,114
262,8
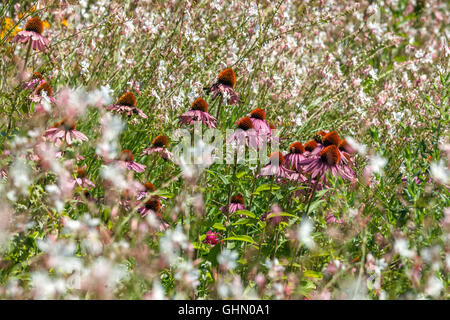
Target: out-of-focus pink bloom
126,158
198,112
33,32
331,219
212,238
274,217
225,86
159,145
127,105
64,130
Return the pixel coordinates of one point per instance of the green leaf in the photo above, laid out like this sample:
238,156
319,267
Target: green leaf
241,221
283,214
245,213
265,187
219,226
241,174
240,238
313,274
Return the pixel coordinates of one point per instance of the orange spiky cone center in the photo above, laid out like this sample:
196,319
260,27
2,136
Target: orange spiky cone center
44,87
330,155
126,155
310,145
34,24
127,99
238,198
81,173
245,124
153,204
331,138
272,126
66,124
200,104
227,77
296,147
277,155
318,137
258,113
149,187
160,141
37,75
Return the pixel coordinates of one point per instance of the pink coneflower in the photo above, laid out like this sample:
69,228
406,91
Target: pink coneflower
212,238
153,205
126,158
236,203
225,86
198,112
258,117
311,146
82,180
328,160
64,129
159,145
277,167
33,32
295,155
149,188
245,134
36,79
127,105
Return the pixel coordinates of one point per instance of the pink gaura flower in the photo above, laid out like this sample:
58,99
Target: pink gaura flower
225,86
127,105
198,112
64,130
33,34
159,145
126,158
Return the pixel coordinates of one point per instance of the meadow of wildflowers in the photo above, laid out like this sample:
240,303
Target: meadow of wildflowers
224,149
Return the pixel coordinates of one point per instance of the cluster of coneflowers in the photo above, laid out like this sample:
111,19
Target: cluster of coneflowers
308,163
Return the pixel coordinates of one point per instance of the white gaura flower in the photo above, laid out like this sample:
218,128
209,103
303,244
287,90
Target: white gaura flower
227,259
440,172
304,233
377,163
20,174
434,286
401,246
359,147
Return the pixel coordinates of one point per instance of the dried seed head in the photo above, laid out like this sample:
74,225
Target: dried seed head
331,138
330,155
160,141
227,77
127,99
296,147
34,24
149,187
126,155
44,86
200,104
237,198
310,145
245,124
277,155
258,113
